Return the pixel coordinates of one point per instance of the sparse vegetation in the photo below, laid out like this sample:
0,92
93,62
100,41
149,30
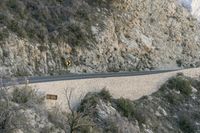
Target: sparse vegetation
18,106
12,109
186,123
101,113
180,84
105,94
154,113
178,88
44,21
92,99
175,98
129,110
26,94
125,106
77,120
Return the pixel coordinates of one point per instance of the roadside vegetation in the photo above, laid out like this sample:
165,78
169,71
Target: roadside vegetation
23,110
14,107
174,108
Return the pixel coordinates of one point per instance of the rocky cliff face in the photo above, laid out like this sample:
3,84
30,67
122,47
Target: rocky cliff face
51,37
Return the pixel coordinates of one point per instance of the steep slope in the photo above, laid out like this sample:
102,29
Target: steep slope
57,36
172,109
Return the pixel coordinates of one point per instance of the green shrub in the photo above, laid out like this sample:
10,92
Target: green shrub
180,84
71,122
90,100
125,106
15,27
26,94
174,98
105,95
128,109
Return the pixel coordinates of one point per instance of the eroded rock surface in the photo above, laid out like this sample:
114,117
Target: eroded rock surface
42,37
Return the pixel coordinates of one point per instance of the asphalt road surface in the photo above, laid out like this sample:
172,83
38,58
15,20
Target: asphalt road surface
40,79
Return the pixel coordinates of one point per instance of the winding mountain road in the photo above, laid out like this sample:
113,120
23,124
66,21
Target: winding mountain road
70,76
130,85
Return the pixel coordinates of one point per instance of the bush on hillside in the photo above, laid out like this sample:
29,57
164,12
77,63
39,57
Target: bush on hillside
11,113
125,106
26,95
92,99
174,98
180,84
105,95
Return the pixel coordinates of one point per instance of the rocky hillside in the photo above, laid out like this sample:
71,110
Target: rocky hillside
58,36
23,111
174,108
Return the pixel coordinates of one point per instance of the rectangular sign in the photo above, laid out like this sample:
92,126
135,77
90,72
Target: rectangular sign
51,97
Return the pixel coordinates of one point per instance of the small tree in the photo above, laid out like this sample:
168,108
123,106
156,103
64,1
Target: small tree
71,121
76,120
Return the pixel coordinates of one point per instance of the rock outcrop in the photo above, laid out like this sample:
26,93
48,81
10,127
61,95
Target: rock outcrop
52,37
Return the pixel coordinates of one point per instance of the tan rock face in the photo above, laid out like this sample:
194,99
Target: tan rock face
107,36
